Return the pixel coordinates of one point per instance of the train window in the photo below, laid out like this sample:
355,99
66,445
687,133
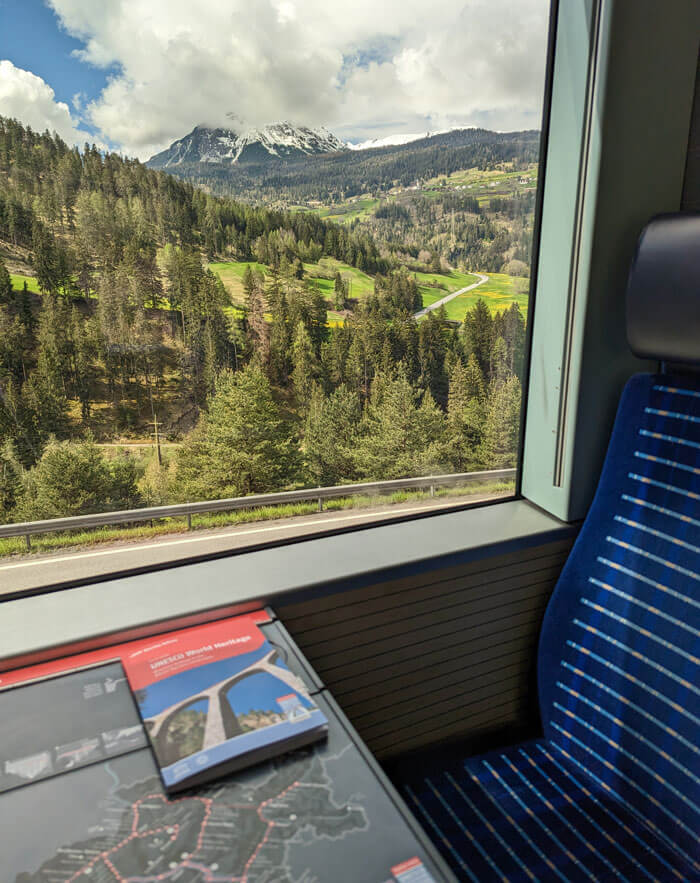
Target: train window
266,270
221,332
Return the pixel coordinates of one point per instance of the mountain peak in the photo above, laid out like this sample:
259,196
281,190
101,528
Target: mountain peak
225,146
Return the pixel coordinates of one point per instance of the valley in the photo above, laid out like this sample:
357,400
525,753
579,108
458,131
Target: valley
271,342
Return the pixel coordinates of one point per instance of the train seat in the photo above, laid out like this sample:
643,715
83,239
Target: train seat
612,789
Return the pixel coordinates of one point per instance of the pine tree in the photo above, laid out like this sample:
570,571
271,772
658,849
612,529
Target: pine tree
258,332
340,292
474,380
358,371
46,388
465,416
83,349
305,367
44,259
280,341
514,336
329,435
431,353
19,421
10,480
478,335
500,442
242,444
13,346
123,482
5,284
72,478
400,437
500,363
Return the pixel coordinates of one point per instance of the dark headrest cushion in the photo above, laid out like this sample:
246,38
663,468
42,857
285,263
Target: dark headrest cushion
663,291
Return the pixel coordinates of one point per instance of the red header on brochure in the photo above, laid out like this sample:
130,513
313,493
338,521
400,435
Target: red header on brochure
181,651
191,634
412,871
409,865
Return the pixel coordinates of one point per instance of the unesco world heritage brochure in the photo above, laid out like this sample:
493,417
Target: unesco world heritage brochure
217,698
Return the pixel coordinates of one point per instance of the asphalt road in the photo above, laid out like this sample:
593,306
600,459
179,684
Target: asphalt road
32,571
449,297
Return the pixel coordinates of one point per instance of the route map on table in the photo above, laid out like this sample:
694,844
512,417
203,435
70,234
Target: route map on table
312,816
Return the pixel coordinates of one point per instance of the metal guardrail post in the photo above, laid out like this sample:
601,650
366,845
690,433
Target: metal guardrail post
28,541
189,521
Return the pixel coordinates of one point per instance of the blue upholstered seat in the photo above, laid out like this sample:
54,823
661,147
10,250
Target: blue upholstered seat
612,790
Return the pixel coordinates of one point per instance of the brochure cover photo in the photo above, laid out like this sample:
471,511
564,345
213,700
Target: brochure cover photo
217,698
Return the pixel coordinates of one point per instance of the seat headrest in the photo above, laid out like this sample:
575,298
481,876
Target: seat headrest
663,290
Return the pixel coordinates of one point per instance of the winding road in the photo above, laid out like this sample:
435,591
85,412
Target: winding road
449,297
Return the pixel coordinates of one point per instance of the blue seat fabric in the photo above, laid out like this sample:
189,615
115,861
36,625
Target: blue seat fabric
612,790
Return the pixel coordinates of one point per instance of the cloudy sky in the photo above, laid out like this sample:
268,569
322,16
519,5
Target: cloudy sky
135,75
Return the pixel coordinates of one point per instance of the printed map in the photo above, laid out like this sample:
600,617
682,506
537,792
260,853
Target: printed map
233,831
317,815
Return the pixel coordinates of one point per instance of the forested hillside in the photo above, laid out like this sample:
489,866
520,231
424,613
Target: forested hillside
111,322
337,176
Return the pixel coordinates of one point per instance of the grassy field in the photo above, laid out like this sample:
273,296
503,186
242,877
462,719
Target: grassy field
320,274
346,212
87,538
482,184
498,293
231,274
18,282
493,179
360,283
449,283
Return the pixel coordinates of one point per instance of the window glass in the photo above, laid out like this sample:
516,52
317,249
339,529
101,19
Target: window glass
259,249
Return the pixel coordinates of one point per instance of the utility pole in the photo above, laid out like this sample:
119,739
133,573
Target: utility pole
155,424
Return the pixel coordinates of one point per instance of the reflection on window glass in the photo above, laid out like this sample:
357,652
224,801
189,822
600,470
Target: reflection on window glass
250,248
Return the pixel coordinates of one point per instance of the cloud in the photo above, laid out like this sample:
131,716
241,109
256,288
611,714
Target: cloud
361,67
31,100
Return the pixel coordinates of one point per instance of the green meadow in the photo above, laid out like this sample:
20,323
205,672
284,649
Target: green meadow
498,294
453,281
346,212
321,274
18,282
231,274
434,286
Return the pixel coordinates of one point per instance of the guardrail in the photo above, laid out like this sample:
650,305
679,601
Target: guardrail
28,529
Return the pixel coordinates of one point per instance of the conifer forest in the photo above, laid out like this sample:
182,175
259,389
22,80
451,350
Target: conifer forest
270,345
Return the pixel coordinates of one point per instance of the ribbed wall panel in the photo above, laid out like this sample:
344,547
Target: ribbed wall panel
438,656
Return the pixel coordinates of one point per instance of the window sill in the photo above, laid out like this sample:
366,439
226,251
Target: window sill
48,625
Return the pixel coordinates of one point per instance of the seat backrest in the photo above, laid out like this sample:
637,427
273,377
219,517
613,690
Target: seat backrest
619,656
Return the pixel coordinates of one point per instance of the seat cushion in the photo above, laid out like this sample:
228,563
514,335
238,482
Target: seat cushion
532,813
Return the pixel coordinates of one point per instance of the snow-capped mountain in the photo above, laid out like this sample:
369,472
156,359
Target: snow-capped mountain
224,146
397,140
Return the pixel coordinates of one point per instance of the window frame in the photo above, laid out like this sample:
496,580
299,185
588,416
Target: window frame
399,518
617,62
143,600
